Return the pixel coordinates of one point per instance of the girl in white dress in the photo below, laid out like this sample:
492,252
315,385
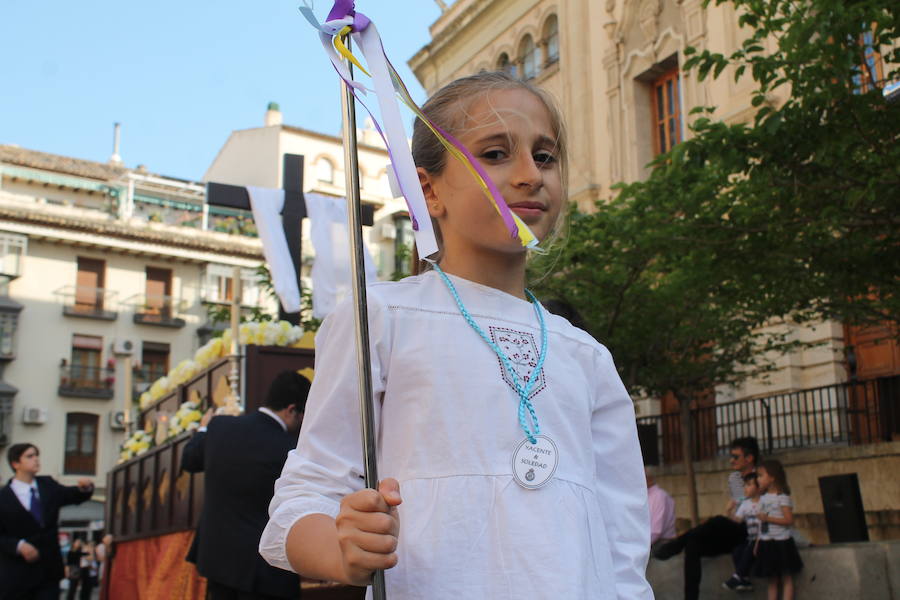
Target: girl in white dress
507,438
777,558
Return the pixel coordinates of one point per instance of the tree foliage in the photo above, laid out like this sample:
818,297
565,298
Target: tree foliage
794,214
693,275
808,194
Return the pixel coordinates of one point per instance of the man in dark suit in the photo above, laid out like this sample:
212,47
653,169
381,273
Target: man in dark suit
30,561
241,458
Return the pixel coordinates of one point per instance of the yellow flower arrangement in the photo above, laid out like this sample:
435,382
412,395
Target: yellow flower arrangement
139,442
266,333
186,418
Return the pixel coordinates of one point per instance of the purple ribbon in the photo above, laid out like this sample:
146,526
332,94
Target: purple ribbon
346,8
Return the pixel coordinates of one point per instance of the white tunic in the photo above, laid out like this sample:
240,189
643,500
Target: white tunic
446,418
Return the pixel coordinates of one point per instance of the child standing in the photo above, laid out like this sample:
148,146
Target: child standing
776,557
506,429
745,513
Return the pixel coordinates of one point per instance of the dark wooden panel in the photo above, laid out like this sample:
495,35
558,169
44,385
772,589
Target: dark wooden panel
146,498
196,498
264,363
132,506
162,513
117,503
181,492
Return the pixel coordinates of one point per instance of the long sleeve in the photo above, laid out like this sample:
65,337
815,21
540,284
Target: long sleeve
192,457
620,481
327,464
9,544
72,494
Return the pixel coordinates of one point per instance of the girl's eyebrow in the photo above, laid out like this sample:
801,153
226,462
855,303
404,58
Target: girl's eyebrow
542,140
494,138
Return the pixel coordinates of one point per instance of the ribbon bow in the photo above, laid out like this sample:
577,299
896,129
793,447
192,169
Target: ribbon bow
343,19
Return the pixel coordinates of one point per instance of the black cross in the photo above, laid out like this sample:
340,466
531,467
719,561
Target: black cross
292,215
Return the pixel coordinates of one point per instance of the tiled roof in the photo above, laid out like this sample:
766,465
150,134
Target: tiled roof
203,241
60,164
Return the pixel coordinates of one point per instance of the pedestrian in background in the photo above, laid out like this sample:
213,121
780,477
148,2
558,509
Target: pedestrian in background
776,557
744,554
241,457
31,564
662,511
718,535
73,568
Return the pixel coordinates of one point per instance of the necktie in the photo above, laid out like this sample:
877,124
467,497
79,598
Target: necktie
36,510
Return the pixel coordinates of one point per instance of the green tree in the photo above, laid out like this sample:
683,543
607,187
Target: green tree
807,192
692,276
672,322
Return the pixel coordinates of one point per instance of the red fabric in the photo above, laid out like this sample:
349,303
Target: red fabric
155,569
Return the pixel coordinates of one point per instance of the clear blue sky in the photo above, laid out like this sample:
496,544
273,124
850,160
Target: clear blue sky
179,75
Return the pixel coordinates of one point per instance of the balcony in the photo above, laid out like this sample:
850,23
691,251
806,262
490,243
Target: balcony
158,310
81,381
844,414
87,302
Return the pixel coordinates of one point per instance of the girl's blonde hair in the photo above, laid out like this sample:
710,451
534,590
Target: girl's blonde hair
448,108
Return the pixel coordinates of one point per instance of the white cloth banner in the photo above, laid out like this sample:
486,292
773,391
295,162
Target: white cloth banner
266,204
331,275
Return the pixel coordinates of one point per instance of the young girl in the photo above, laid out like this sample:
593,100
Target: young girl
776,556
507,437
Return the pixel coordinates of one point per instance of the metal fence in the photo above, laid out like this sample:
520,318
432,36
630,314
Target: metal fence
857,412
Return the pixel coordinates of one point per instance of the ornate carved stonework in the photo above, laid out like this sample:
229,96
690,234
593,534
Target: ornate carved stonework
610,6
648,17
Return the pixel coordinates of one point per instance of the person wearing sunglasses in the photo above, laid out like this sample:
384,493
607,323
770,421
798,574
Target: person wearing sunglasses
718,535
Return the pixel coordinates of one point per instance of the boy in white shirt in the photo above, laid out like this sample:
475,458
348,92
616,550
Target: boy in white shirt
746,512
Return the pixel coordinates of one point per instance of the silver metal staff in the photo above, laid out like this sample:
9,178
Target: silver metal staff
361,314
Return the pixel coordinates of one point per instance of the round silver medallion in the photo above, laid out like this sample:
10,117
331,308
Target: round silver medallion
534,464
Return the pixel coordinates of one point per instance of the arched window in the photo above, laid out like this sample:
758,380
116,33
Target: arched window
528,58
551,40
504,64
324,170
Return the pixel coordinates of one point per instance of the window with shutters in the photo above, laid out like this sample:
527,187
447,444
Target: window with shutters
89,285
666,107
158,292
154,360
87,351
86,376
81,444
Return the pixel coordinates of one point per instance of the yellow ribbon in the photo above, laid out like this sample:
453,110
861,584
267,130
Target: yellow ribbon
344,51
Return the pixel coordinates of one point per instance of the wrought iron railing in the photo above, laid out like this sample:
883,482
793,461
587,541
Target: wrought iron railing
84,301
157,309
86,381
857,412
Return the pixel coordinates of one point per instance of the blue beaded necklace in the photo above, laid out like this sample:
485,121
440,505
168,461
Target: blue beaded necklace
522,390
